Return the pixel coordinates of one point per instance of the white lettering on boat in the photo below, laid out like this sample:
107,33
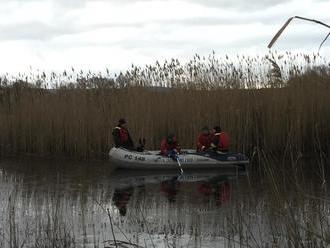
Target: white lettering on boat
132,157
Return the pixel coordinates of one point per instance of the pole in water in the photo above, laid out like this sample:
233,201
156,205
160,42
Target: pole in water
177,159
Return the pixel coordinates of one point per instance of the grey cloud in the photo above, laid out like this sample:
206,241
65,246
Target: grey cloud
227,4
33,31
232,4
301,40
309,44
44,32
293,40
60,2
60,7
240,4
225,21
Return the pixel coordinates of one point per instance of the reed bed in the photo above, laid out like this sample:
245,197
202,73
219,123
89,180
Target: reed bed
276,103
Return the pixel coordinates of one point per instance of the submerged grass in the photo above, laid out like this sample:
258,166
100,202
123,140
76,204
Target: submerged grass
272,104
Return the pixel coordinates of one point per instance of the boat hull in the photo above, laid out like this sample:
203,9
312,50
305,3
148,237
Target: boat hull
189,159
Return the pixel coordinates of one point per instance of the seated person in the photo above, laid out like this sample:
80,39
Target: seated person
170,147
204,140
121,135
219,140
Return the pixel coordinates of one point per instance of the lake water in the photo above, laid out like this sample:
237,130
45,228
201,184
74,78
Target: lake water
75,204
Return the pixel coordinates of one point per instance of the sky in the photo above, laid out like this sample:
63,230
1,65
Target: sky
55,35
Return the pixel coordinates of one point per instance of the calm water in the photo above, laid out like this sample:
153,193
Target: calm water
74,204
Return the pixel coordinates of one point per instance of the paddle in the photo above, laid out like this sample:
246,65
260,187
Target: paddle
178,160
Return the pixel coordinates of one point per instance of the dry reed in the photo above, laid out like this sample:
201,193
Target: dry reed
270,103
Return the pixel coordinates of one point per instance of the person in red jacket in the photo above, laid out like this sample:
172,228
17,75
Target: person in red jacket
220,140
121,135
204,140
170,146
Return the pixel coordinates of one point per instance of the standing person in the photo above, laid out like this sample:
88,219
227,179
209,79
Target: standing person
220,140
121,135
170,146
204,140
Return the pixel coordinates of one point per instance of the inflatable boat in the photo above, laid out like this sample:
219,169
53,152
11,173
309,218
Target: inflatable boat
188,159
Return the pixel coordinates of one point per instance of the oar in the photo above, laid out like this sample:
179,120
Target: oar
178,160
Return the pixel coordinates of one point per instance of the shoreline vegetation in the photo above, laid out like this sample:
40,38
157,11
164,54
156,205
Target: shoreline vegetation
278,103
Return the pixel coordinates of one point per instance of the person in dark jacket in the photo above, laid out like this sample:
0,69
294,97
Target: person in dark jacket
170,146
204,140
121,135
220,140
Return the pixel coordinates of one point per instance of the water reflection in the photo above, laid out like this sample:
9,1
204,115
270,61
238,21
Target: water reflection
73,204
168,208
120,199
68,202
201,186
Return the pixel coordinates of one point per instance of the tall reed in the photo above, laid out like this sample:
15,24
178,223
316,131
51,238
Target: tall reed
279,105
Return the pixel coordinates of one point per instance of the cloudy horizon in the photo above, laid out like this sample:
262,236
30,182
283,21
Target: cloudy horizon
99,34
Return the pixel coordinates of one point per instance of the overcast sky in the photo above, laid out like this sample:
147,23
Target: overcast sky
99,34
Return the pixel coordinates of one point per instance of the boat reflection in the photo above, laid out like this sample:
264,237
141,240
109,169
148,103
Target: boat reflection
120,199
195,189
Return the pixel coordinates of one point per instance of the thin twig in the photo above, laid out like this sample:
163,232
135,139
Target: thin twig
113,233
144,219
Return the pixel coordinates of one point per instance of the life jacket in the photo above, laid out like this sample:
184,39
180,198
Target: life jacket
123,134
223,144
203,140
165,147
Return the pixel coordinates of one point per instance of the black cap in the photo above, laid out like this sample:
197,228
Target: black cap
170,138
122,121
217,129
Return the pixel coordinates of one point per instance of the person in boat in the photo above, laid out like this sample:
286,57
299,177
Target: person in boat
204,140
170,146
219,140
121,135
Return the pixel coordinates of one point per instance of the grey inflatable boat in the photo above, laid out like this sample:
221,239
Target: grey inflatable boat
189,159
